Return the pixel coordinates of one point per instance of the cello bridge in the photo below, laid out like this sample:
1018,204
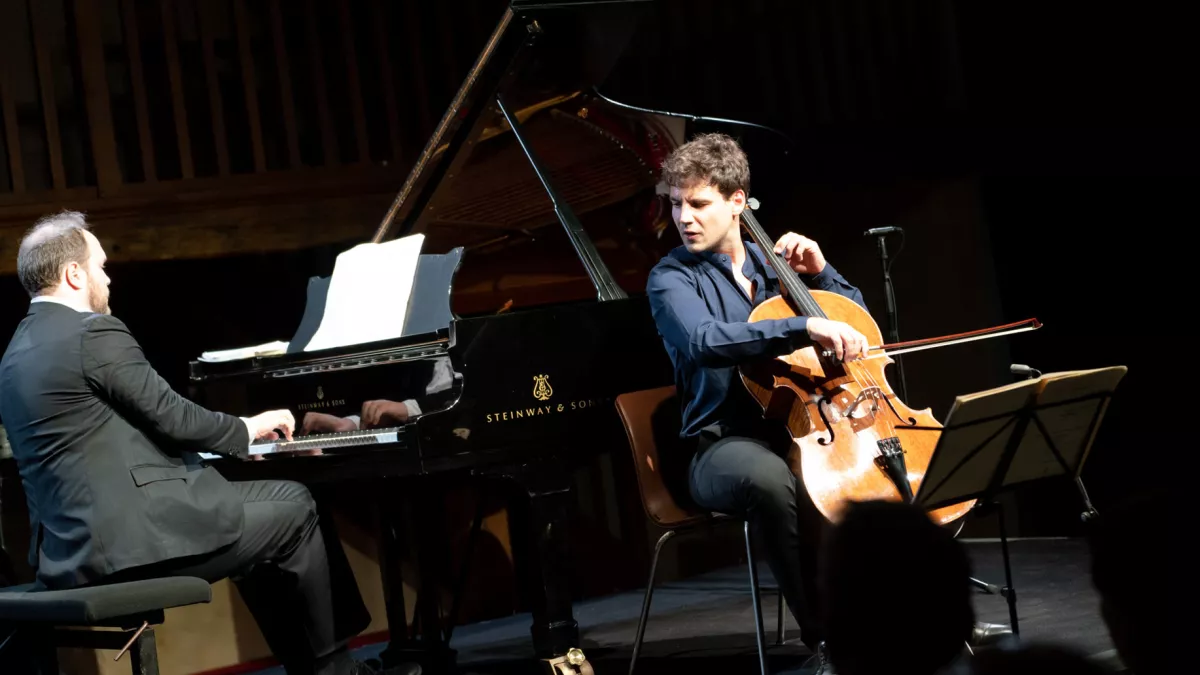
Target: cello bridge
868,393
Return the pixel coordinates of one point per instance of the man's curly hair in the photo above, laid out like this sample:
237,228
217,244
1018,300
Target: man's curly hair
712,159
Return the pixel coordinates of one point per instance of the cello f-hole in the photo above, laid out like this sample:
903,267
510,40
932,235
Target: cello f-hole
825,420
912,421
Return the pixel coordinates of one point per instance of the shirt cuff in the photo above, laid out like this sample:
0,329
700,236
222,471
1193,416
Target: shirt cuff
413,408
249,431
826,277
356,419
797,328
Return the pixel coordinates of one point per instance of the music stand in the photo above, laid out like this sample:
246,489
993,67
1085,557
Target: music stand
997,439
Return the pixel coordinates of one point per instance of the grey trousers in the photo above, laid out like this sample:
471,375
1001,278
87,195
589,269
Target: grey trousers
300,591
747,477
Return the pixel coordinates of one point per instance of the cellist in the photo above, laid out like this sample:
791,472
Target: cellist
701,295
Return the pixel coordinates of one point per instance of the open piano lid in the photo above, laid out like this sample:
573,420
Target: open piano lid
539,52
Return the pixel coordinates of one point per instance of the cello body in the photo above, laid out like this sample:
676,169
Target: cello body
853,439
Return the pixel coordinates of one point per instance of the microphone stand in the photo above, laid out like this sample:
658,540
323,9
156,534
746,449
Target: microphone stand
890,296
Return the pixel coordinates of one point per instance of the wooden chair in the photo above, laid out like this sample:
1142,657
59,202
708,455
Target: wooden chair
652,421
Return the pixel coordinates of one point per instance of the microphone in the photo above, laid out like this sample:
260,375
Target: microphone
1022,370
876,231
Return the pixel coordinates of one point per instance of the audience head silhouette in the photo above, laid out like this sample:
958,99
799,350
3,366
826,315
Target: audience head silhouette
896,592
1131,571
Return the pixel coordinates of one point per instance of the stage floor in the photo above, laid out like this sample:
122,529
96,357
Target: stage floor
706,624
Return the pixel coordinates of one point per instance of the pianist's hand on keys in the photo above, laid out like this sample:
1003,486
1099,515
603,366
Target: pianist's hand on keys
320,423
319,444
263,426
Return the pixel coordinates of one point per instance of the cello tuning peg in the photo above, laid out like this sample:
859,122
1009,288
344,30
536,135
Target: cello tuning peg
752,203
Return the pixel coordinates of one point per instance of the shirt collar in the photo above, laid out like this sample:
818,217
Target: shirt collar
754,260
63,302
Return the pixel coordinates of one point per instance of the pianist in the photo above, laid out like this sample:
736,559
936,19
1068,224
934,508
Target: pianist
701,295
107,454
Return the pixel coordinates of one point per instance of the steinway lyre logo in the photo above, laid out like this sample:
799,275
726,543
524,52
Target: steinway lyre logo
322,401
542,390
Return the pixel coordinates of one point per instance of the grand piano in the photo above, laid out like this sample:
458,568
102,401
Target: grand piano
525,165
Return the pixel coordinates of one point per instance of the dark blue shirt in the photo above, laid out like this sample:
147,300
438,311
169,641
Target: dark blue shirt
702,315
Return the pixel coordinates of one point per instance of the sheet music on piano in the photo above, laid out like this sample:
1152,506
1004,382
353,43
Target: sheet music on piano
217,356
367,300
362,277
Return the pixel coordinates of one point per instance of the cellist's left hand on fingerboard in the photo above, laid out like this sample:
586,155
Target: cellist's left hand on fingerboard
801,253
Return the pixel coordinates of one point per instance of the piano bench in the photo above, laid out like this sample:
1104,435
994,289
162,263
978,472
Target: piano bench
40,621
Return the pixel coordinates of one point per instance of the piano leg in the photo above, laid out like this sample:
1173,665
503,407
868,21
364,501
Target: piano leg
541,516
428,649
391,550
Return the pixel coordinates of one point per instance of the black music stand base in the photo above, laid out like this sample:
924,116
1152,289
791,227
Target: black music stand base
1007,591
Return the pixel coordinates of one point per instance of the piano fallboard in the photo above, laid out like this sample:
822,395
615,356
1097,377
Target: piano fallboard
545,378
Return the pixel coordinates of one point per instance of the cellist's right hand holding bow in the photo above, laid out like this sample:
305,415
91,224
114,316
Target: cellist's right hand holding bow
846,343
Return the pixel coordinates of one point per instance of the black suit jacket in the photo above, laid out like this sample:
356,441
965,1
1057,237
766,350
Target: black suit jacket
107,451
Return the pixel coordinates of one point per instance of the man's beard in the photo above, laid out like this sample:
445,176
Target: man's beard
98,298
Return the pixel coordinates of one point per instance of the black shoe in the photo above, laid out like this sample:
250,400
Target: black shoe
821,656
989,633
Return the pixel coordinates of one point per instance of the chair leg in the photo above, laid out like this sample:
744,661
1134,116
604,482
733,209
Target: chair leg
641,631
8,633
144,654
758,622
779,624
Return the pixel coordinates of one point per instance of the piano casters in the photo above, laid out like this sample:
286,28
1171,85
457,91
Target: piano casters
572,663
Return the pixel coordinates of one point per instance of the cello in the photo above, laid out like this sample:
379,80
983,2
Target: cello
853,438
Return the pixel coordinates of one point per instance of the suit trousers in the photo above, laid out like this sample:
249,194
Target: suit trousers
747,477
300,590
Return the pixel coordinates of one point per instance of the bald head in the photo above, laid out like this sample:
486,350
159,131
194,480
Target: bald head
49,246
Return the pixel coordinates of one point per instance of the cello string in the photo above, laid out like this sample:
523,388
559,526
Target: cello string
878,412
858,372
878,392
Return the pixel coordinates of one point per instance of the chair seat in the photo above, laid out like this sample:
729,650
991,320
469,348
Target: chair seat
95,604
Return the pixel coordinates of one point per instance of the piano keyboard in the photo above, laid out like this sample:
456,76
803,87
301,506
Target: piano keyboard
344,439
